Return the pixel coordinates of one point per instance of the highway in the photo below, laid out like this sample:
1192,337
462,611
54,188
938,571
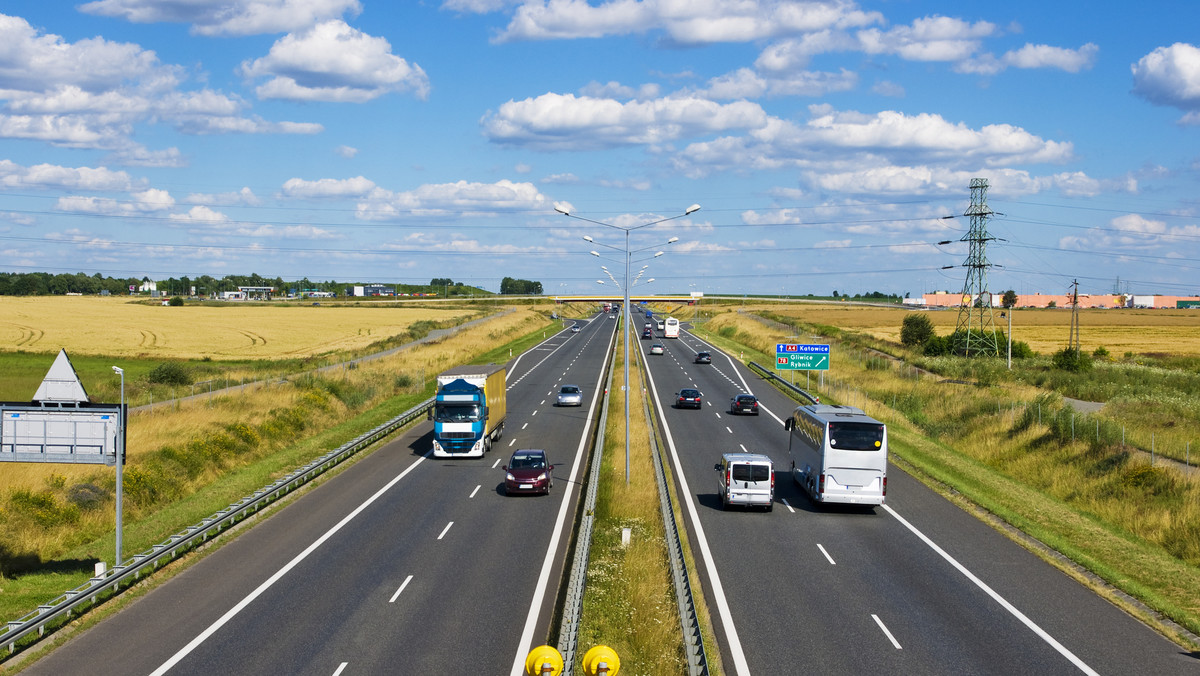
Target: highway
915,586
401,563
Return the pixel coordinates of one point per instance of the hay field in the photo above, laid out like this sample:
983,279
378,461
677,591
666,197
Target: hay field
1045,330
120,328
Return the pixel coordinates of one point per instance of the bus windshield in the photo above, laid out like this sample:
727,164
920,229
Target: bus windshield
848,436
447,412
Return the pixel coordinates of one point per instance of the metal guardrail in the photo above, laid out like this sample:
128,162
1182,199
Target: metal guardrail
104,586
568,633
693,639
771,376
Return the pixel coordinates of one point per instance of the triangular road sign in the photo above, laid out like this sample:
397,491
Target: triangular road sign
61,383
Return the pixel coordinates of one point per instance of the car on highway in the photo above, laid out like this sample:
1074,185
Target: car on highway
613,316
660,326
569,395
746,479
656,348
703,358
528,471
743,403
687,398
646,326
647,335
574,328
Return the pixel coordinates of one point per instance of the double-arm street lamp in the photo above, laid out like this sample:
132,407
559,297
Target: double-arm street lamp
625,289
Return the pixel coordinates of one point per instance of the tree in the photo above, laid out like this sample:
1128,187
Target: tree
1052,303
1009,299
916,329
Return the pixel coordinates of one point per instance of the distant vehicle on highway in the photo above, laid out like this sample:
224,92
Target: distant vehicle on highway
687,398
743,403
570,395
671,328
656,348
660,326
746,479
574,328
528,471
703,358
646,334
838,454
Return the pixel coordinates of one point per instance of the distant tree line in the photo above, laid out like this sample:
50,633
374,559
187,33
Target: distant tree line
522,287
45,283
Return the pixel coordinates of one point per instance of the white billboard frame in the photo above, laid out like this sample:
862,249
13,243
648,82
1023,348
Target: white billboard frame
80,433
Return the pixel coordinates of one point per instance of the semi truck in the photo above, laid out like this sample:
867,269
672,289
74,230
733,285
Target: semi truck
469,410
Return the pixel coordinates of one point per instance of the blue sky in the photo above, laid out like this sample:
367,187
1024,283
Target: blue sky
370,141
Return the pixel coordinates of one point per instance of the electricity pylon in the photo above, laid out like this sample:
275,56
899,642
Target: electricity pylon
975,333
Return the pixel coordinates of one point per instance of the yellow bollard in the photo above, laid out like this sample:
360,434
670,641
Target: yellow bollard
543,661
601,660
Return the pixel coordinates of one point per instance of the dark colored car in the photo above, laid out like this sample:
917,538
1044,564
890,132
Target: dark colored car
528,471
647,335
703,358
743,403
687,398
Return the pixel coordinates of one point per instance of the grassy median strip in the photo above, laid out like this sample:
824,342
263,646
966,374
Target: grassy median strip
629,604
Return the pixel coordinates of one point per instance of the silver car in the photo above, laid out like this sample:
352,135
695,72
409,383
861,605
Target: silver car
570,395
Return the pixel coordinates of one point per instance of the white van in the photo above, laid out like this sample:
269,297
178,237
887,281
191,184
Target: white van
838,454
746,479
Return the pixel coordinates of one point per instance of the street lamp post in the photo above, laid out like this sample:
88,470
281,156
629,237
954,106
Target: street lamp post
120,461
628,315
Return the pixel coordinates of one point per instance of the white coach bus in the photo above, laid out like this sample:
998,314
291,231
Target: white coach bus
838,454
671,328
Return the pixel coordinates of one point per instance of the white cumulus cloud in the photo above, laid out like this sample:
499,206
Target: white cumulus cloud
566,122
227,17
334,62
1170,76
328,187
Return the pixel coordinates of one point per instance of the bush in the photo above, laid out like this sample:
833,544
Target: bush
176,301
916,329
1072,359
170,373
1021,350
1100,353
42,508
937,346
86,496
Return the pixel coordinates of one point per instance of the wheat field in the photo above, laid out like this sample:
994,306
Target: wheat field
119,327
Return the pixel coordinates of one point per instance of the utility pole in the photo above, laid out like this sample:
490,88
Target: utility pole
1073,339
975,332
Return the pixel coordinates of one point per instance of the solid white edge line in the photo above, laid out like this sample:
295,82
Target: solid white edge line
827,556
525,643
886,632
445,530
999,599
402,586
232,612
710,566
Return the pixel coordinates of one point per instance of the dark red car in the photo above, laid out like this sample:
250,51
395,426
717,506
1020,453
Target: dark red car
528,471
